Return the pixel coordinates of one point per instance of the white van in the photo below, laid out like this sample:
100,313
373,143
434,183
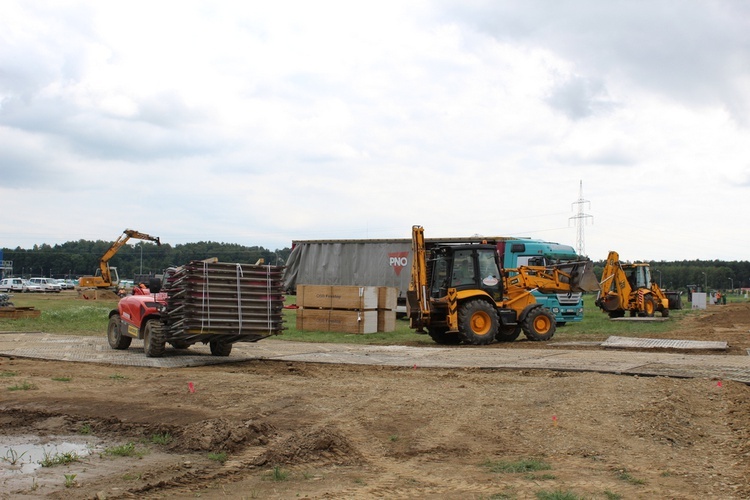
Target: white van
12,285
47,284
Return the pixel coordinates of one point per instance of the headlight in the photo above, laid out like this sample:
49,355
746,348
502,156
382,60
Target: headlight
555,310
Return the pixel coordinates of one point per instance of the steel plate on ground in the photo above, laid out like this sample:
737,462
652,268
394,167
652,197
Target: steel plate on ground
634,343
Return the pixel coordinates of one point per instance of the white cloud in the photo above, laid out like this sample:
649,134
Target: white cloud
263,123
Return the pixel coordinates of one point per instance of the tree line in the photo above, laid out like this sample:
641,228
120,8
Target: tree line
73,259
81,258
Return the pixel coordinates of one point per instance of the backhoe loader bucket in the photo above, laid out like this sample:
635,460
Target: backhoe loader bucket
582,277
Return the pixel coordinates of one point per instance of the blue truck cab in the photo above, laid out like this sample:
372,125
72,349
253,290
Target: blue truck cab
567,307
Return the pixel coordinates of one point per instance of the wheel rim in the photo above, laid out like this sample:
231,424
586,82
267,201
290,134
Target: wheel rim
542,324
481,323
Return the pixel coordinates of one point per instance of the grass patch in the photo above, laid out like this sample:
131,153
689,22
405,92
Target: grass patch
611,495
279,474
6,373
85,429
123,450
524,465
22,386
220,457
70,480
117,376
62,379
12,456
62,313
624,475
162,439
53,460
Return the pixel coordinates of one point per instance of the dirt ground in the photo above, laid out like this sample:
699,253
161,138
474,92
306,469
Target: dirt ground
294,430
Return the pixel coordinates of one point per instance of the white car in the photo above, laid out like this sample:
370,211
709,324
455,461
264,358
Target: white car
47,284
31,287
12,285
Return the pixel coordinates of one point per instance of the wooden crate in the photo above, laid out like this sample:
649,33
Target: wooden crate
386,320
387,297
334,320
360,298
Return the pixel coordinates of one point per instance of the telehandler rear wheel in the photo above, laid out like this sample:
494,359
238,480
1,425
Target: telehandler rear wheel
116,339
441,336
539,324
154,342
477,321
219,348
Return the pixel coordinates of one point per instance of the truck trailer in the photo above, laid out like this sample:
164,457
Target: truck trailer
387,262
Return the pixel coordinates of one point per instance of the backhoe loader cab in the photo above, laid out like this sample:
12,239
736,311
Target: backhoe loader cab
465,268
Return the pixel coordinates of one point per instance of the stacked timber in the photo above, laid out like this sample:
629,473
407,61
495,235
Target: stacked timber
344,309
240,302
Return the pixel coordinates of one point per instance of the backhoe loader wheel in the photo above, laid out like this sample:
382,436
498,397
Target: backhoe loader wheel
539,324
116,339
648,307
441,336
507,333
477,321
154,342
219,348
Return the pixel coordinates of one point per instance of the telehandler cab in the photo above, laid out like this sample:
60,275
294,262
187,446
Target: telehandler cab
459,293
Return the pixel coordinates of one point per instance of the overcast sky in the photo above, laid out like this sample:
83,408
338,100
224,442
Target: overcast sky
260,123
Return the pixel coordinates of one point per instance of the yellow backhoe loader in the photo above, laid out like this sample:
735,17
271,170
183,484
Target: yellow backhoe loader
629,287
459,293
104,275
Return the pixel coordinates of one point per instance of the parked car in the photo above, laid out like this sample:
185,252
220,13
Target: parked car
12,285
47,284
31,287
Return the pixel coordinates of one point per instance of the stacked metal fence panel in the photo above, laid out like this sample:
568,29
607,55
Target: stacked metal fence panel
226,301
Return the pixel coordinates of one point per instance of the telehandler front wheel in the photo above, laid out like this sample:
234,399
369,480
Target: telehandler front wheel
539,324
115,338
154,342
477,322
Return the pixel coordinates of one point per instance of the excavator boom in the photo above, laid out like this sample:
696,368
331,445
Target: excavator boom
105,278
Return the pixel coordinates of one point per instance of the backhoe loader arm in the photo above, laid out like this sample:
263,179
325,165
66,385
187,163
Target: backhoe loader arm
417,297
124,237
569,277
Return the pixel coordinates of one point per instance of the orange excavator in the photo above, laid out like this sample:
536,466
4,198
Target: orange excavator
105,276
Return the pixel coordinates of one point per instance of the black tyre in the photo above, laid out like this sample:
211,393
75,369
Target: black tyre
665,313
219,348
616,314
477,322
180,344
115,338
154,343
539,324
507,333
442,337
648,307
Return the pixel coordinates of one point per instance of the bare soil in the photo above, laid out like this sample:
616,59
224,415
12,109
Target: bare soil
301,430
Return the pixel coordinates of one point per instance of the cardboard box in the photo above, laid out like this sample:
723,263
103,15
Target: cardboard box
386,320
387,297
333,320
359,298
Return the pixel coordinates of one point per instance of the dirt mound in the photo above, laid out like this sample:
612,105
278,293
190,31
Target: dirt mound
94,294
223,435
319,445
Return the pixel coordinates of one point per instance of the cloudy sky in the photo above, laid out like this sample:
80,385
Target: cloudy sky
260,123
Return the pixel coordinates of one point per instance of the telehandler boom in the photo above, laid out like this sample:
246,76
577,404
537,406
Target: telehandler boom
628,287
459,293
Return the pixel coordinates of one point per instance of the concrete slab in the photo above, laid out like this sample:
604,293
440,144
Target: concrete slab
96,350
